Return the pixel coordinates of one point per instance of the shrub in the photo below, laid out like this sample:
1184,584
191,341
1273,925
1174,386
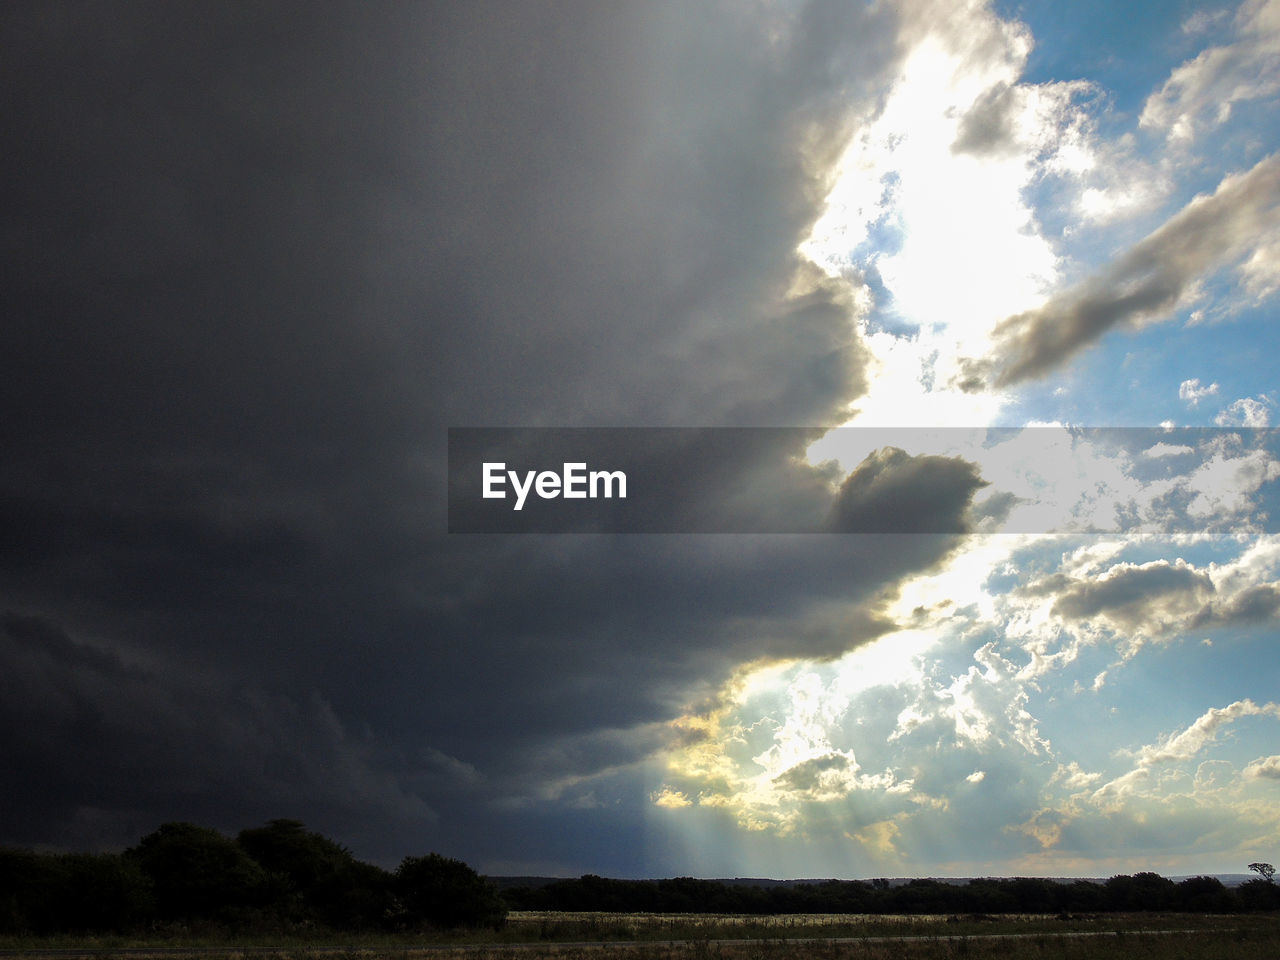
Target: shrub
319,880
440,892
199,873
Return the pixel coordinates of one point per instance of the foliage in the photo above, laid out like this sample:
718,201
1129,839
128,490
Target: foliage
1145,892
1258,895
439,892
1204,895
104,890
281,877
1142,891
318,881
45,893
1264,870
199,873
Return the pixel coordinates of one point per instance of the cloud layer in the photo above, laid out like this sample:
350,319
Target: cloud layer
261,261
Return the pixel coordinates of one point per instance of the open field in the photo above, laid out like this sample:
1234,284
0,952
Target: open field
567,936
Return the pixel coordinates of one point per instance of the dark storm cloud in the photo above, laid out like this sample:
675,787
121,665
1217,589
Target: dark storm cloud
86,732
894,492
260,260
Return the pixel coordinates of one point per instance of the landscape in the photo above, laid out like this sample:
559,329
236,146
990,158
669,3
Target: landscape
690,478
282,890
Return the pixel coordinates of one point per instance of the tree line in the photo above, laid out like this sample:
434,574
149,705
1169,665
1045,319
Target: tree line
280,876
283,877
1140,892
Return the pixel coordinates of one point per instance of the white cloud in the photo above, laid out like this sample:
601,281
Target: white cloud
1189,742
1168,449
1073,777
1123,786
1088,601
1226,482
1264,768
1214,775
1260,274
775,744
945,171
1052,478
931,737
1203,20
1202,92
1151,792
1192,392
669,799
1246,412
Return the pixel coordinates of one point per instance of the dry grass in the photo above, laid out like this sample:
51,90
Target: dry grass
1204,944
603,936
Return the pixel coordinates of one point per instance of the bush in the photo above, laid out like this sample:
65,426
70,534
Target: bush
104,892
444,893
318,880
29,889
1204,895
1142,891
1258,895
199,873
48,893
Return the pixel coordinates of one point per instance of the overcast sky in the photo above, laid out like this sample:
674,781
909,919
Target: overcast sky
262,257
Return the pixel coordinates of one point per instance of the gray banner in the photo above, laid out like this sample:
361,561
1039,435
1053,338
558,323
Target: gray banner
853,480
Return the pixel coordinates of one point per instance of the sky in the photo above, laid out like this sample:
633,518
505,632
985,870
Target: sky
1008,271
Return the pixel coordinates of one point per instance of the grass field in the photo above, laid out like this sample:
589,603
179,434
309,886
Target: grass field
569,936
1197,937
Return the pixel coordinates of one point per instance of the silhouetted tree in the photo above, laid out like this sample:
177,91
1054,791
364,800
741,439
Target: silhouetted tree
1084,895
30,885
922,896
1264,870
50,893
1142,891
283,873
105,891
1035,894
199,873
286,847
446,893
320,880
1258,895
1204,895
